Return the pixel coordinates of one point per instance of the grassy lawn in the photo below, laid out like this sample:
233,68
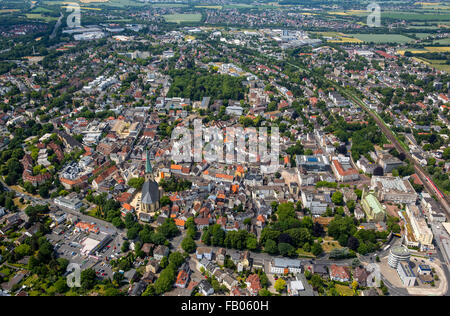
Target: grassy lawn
92,212
344,290
179,18
18,204
38,16
303,254
31,280
329,244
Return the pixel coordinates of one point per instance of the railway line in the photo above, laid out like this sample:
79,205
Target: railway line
423,176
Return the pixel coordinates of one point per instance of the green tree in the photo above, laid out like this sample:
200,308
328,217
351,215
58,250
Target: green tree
280,285
188,245
271,247
337,198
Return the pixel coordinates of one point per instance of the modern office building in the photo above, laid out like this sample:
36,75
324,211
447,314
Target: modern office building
406,274
398,254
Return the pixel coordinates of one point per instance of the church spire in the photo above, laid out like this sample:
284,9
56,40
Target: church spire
148,164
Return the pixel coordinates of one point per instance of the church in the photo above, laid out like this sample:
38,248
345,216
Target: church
151,193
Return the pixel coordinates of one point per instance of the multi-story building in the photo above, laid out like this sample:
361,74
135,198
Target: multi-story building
317,203
406,274
373,209
343,170
398,254
313,163
393,189
284,266
70,202
422,233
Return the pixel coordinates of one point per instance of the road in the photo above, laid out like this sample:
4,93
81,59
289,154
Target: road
57,25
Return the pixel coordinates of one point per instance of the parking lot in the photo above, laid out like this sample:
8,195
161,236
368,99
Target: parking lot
67,245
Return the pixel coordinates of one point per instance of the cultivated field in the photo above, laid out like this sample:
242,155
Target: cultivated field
180,18
382,38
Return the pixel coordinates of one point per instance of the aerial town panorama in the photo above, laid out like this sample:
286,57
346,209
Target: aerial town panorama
224,148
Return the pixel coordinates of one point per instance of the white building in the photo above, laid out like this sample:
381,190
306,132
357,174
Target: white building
421,231
283,266
406,274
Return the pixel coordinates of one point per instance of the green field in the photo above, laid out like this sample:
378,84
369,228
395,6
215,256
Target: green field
169,5
211,7
180,18
238,6
41,10
422,35
414,15
110,3
438,64
38,16
382,38
444,41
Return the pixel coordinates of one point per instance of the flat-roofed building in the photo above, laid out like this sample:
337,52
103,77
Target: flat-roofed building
70,202
406,274
316,202
421,231
284,266
394,189
389,162
317,163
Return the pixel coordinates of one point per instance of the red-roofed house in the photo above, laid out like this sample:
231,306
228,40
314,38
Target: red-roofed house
253,284
339,273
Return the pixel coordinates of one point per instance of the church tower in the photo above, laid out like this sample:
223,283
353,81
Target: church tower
148,167
151,193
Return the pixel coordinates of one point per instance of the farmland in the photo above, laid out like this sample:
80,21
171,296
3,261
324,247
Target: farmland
180,18
360,38
382,38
